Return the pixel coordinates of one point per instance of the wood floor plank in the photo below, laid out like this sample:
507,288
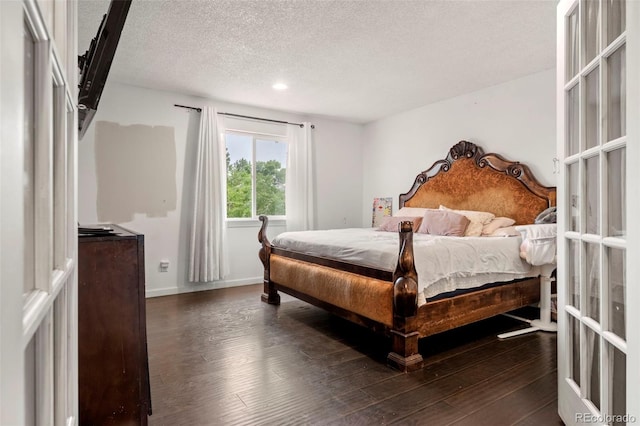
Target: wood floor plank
483,393
547,415
486,362
406,399
439,413
514,406
222,357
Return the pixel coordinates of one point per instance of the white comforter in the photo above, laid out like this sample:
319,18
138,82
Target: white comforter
443,263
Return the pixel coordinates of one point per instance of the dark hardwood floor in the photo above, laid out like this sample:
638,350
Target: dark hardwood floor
222,357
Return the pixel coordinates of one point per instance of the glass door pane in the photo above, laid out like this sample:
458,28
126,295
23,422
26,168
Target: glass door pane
573,286
592,366
617,394
591,30
592,278
592,108
616,286
616,18
572,45
592,200
574,346
574,198
573,115
616,95
616,192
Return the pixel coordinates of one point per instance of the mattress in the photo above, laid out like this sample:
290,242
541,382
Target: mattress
444,264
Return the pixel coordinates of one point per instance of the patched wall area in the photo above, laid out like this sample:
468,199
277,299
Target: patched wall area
135,171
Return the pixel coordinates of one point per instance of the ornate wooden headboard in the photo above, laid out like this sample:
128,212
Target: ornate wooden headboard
469,179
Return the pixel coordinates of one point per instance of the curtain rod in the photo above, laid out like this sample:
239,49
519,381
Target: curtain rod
245,116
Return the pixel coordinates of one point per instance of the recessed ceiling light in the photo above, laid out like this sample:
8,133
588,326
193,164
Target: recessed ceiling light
280,86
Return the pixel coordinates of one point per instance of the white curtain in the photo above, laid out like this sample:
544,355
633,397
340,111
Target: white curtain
300,188
206,255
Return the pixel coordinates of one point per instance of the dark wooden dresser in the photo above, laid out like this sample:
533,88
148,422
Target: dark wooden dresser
113,366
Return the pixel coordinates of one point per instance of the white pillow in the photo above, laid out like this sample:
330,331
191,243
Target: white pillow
412,211
507,231
498,222
477,220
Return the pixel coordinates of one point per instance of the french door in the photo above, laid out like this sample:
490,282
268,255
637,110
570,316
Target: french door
598,201
38,245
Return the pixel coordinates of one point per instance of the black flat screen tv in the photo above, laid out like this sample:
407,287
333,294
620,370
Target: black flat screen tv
94,65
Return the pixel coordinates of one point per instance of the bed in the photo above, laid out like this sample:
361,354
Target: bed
386,298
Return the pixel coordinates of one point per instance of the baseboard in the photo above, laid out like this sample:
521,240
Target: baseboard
190,288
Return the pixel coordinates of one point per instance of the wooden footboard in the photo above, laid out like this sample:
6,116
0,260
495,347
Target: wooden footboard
383,301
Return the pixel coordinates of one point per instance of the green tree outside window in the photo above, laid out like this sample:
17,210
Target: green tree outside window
270,188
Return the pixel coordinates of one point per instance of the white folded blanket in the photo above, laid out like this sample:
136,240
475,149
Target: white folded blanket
538,243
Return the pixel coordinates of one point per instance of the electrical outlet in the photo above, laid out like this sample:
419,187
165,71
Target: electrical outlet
164,266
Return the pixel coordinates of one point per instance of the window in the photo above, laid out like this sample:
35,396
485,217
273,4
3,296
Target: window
256,175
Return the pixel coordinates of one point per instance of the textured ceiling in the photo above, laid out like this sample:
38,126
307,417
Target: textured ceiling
354,60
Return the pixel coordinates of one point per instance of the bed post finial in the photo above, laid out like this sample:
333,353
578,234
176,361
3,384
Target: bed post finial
270,294
464,149
404,335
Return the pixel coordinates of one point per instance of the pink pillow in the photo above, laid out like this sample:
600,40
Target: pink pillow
498,222
443,222
477,220
390,223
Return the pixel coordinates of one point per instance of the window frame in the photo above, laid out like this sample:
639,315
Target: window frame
253,220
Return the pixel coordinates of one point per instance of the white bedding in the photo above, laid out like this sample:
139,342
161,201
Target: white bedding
539,243
443,263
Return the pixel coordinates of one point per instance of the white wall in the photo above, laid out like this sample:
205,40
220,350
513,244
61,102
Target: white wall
354,163
515,119
338,147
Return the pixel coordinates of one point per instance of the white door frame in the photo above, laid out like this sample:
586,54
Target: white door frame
12,386
573,405
38,315
633,204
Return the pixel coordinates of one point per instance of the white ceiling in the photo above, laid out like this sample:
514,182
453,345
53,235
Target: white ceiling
353,60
